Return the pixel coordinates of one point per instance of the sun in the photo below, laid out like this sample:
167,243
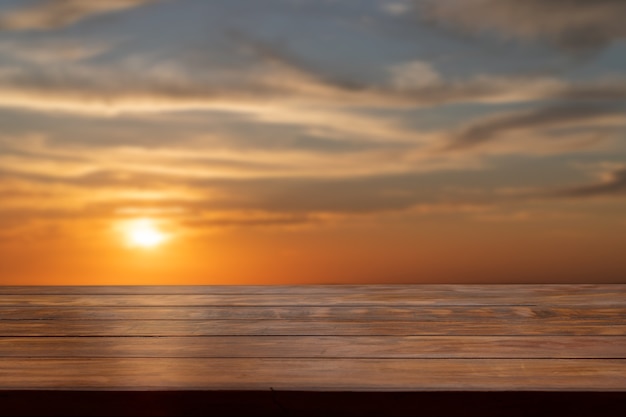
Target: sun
144,233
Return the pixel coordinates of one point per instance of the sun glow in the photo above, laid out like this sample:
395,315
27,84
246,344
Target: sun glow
144,233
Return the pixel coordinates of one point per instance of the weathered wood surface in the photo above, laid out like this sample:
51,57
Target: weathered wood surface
316,338
364,347
325,374
558,290
251,327
506,314
374,299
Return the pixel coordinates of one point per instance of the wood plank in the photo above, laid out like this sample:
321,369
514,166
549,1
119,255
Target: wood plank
361,338
314,374
318,347
432,290
297,328
583,315
606,299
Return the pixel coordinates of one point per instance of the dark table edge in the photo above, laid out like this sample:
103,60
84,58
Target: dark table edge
310,403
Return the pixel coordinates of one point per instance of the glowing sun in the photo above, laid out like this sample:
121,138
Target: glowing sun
144,233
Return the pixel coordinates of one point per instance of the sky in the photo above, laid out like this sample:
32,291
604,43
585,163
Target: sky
312,141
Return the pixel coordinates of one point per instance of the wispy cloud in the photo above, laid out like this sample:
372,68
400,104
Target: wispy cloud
54,14
578,25
534,121
613,183
51,51
414,74
86,89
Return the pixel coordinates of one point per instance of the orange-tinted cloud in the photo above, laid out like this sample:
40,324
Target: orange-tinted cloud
54,14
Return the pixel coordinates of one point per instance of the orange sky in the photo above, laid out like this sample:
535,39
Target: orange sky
392,249
387,141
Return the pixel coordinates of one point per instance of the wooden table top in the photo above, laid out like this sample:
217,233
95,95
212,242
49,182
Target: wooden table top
314,338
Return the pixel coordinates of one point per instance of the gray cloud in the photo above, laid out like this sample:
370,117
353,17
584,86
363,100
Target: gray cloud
366,194
263,202
560,116
53,14
50,51
571,24
255,220
281,57
613,184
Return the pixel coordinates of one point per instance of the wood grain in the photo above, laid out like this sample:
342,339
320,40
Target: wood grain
316,338
432,290
377,299
294,327
499,314
313,374
410,347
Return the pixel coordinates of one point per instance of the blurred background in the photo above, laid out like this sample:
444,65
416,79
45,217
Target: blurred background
312,141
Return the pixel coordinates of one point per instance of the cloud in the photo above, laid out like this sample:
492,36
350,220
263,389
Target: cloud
266,89
280,87
209,203
280,90
577,25
211,192
51,51
535,120
395,7
326,186
256,218
613,184
54,14
414,74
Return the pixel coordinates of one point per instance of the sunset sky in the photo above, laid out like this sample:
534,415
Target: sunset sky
312,141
